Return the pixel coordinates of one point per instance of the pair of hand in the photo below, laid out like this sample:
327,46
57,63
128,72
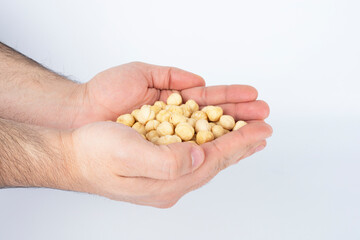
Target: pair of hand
113,160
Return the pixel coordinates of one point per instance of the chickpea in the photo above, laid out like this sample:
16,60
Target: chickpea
185,131
212,124
160,104
139,128
152,134
204,109
193,105
239,124
186,110
135,112
191,121
199,115
126,119
202,125
155,109
163,116
218,131
168,139
177,118
154,140
175,109
227,122
174,99
204,136
165,128
145,114
151,125
214,113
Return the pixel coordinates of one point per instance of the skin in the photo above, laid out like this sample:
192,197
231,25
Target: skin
73,117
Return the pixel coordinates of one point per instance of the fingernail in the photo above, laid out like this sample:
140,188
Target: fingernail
197,157
259,148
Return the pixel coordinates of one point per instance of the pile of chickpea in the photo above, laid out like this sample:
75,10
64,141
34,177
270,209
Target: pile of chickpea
177,122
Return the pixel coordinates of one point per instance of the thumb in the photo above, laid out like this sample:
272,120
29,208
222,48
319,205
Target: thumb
168,162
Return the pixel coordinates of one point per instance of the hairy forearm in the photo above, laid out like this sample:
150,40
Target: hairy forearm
30,93
32,156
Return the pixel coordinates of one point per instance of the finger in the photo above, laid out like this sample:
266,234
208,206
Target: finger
247,111
233,145
174,78
215,95
165,161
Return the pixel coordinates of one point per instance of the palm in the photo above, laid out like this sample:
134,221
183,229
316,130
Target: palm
122,89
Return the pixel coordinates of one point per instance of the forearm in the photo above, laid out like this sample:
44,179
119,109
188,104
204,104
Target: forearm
32,156
30,93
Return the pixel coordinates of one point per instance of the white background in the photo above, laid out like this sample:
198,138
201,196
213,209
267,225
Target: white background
302,56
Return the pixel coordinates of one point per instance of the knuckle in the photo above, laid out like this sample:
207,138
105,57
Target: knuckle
171,166
224,161
204,95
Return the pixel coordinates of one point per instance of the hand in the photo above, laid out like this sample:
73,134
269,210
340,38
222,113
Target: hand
120,174
122,165
124,88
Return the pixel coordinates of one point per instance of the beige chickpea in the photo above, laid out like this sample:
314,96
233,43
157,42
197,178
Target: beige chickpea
239,124
186,110
212,124
160,104
154,140
151,125
204,136
227,122
165,128
199,115
214,113
174,99
126,119
191,121
145,114
193,105
152,134
163,116
139,128
155,109
218,131
202,125
185,131
168,139
175,109
175,119
134,113
204,109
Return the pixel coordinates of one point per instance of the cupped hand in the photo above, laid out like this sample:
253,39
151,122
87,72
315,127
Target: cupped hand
124,88
114,161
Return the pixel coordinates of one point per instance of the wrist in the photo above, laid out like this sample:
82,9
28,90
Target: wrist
33,156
